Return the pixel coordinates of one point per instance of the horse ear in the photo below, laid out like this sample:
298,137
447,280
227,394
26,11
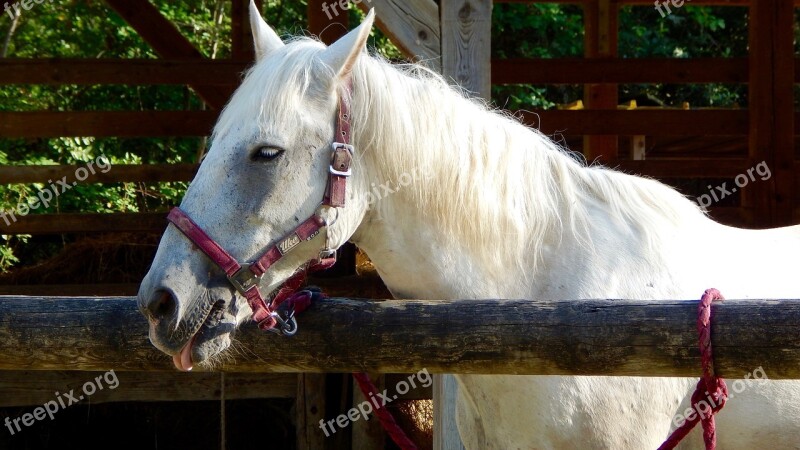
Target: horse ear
264,37
342,55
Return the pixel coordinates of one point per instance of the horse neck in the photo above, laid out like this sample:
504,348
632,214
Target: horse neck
419,240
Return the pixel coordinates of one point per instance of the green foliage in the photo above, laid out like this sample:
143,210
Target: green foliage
556,31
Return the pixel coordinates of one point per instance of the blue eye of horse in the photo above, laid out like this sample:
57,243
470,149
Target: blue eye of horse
267,153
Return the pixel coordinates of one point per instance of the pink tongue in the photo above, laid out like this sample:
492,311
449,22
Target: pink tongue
183,360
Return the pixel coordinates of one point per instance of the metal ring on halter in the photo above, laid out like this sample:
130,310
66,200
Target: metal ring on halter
286,327
328,224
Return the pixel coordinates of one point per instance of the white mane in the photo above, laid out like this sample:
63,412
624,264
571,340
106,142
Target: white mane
495,184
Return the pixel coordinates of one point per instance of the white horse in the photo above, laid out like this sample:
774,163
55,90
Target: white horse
502,212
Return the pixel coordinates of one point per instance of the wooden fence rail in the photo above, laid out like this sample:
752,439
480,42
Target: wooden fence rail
586,337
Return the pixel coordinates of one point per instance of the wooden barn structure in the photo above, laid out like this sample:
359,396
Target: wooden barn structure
451,36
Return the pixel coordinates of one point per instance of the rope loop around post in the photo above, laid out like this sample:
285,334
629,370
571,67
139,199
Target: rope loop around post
711,389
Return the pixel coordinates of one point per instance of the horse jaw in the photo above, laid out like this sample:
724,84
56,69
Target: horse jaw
342,55
265,39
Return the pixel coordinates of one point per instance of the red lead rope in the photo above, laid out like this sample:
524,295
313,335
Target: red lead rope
384,416
710,385
298,301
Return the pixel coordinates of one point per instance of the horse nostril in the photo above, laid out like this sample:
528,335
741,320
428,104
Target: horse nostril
161,305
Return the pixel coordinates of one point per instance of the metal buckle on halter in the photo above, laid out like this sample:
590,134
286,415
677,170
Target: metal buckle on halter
244,279
336,146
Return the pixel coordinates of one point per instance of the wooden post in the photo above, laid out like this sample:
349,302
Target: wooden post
241,36
771,97
466,29
310,406
600,41
445,431
413,26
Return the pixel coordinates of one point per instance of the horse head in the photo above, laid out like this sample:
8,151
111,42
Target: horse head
266,172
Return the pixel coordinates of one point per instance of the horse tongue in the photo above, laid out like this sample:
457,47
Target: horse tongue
183,360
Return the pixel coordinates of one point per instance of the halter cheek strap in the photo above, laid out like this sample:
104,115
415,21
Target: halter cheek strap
246,277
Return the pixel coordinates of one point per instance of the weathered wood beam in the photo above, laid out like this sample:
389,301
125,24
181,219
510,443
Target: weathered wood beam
413,26
466,44
720,122
617,70
241,35
149,173
167,41
223,73
46,124
310,404
586,337
84,223
642,2
35,387
600,20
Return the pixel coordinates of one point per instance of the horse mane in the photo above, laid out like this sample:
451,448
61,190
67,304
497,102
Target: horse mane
495,184
500,188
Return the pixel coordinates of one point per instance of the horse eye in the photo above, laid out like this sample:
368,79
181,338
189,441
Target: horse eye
267,153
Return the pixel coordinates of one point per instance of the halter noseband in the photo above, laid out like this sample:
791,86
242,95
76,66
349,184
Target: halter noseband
246,276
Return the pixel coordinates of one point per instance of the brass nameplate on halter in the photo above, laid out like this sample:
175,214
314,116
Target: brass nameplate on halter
288,244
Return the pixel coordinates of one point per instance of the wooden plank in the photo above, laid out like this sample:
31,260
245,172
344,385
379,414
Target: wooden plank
617,70
114,174
29,387
241,34
683,168
761,105
413,26
72,290
85,223
223,73
639,337
445,430
643,2
310,409
466,29
720,122
166,40
637,2
600,41
783,76
738,217
45,124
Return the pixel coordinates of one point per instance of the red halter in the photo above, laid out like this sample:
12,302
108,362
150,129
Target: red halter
245,277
